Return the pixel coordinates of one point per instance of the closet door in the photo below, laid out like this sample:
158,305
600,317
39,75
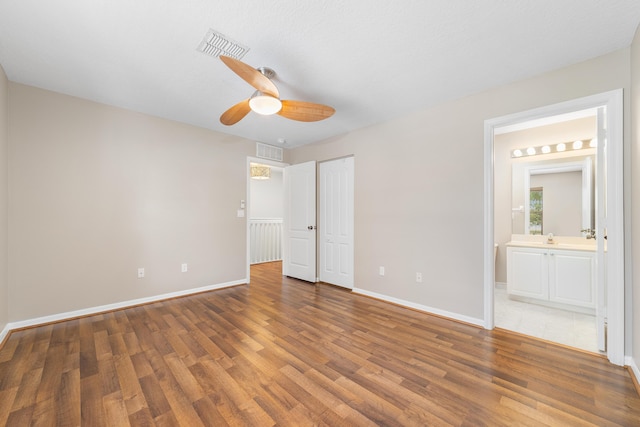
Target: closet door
336,222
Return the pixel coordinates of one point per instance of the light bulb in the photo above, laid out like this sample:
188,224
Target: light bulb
265,104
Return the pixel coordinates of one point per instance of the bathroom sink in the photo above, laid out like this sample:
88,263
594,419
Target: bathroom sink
587,246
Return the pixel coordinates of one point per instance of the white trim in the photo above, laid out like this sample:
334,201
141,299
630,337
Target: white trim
4,333
615,229
628,361
544,121
489,246
615,244
116,306
420,307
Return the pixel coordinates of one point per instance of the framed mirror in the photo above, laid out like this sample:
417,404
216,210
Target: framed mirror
553,196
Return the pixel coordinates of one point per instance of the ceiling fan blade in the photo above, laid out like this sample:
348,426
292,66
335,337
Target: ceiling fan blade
252,76
236,113
305,111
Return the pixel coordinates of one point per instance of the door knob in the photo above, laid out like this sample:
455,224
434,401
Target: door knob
311,227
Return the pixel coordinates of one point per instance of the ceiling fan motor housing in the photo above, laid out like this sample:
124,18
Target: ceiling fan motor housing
267,72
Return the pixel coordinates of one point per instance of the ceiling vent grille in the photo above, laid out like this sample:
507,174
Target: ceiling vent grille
270,152
216,44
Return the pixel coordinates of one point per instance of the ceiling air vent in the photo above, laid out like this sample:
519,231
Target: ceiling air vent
270,152
216,44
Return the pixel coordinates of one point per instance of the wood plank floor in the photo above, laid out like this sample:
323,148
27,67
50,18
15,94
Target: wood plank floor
289,353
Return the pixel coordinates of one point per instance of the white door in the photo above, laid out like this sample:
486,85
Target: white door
601,218
336,222
299,246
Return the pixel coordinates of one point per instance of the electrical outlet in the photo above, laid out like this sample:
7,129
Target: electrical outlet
184,268
381,271
140,273
419,277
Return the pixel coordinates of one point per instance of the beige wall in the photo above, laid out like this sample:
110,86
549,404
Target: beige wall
635,197
96,192
419,186
266,196
4,285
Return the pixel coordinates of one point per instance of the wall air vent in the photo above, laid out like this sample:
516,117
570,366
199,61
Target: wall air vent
216,44
270,152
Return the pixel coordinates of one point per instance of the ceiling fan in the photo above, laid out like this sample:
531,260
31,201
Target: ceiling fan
266,98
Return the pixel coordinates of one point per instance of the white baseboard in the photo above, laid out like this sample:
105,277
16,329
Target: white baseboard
634,368
4,333
420,307
110,307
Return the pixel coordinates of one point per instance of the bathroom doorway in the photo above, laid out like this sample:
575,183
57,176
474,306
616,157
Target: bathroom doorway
523,142
536,196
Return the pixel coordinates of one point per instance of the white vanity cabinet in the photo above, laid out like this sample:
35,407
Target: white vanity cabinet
572,277
550,274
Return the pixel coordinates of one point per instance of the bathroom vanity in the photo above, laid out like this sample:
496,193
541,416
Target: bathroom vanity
555,274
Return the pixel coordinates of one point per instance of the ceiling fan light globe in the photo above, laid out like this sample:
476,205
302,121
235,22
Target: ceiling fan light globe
265,104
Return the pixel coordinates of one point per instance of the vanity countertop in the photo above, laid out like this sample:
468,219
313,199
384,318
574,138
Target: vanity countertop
587,246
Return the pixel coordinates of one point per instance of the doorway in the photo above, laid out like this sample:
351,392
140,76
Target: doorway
334,235
607,108
282,219
264,206
537,194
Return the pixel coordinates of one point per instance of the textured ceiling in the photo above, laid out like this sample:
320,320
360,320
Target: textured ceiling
371,60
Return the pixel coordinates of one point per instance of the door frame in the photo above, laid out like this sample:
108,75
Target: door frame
613,100
247,207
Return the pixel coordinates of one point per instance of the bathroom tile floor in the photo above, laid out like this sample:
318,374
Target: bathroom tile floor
551,324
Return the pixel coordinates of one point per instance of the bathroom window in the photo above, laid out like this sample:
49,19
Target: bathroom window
535,211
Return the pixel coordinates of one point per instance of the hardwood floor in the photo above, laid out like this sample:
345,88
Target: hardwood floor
283,352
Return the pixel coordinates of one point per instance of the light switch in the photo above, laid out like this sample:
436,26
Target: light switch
240,213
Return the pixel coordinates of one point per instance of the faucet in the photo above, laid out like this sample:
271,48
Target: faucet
550,238
591,233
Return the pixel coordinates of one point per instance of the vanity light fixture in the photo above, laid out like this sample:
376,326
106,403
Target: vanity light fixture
555,148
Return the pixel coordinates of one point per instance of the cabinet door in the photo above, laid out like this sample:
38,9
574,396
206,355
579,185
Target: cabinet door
572,278
528,272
